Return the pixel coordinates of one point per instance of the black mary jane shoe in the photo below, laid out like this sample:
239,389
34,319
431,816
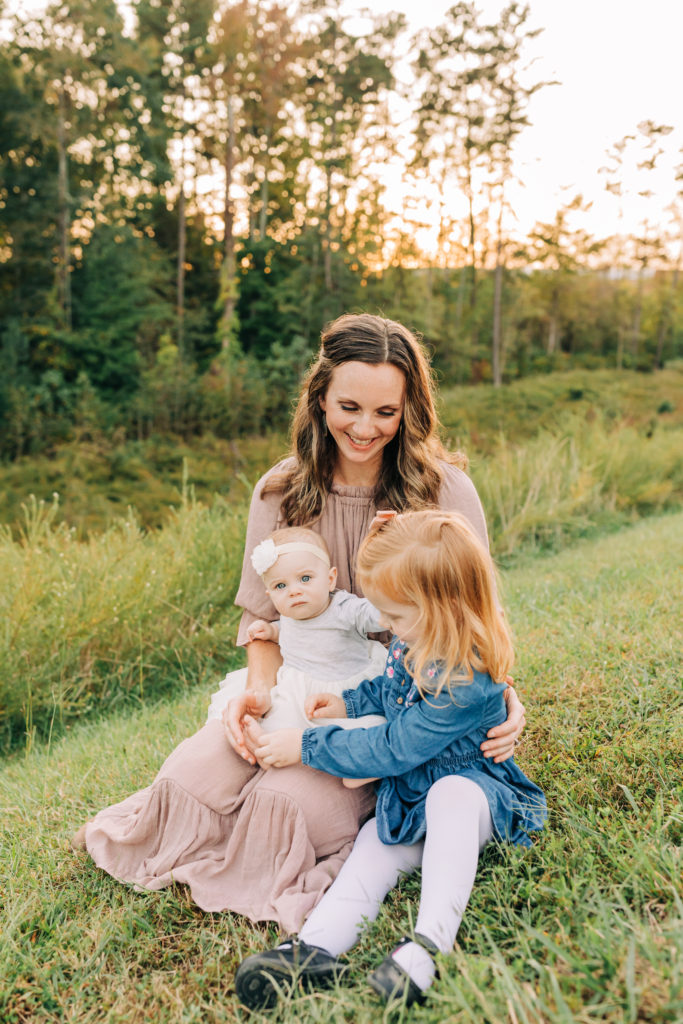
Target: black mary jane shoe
392,983
262,977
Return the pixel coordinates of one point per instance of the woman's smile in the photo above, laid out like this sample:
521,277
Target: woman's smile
360,442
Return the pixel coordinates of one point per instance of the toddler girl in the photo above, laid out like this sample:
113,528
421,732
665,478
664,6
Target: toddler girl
440,801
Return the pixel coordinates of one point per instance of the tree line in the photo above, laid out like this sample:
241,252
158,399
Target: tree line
191,190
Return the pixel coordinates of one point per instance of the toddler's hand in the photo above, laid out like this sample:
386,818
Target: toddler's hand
324,705
279,749
262,630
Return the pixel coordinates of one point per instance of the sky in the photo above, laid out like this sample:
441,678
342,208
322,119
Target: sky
618,63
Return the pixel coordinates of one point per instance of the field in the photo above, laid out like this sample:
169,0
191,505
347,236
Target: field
96,477
112,644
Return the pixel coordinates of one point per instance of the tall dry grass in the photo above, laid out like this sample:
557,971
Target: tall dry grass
121,617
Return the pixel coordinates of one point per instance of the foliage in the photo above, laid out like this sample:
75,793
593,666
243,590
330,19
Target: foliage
127,614
120,300
586,926
99,473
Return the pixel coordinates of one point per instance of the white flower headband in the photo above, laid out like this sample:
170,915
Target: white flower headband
266,554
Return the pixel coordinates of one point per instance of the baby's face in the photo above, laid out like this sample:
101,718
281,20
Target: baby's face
299,584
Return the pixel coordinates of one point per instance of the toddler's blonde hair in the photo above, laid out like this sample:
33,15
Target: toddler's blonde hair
434,560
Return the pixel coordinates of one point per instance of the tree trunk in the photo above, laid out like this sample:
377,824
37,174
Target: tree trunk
637,314
497,347
473,264
180,277
263,213
227,325
64,217
662,331
553,326
497,341
620,347
460,304
327,233
669,305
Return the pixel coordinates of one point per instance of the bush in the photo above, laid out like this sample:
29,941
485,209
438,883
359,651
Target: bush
121,617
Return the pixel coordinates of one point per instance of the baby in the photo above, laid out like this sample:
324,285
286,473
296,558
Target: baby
322,632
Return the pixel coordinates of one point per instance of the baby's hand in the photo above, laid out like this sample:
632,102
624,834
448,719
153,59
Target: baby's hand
324,705
355,783
279,749
262,630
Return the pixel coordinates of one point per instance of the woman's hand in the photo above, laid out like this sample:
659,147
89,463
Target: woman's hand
251,702
324,705
382,516
501,740
279,749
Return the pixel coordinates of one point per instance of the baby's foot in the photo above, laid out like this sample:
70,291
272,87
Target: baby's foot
253,731
78,838
355,783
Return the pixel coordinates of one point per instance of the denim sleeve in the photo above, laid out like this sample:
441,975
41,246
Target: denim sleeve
412,738
365,699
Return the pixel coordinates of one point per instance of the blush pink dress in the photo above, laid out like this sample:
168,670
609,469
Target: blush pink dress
265,844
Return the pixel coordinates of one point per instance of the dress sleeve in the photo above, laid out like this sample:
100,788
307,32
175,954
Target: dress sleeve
412,738
458,494
251,594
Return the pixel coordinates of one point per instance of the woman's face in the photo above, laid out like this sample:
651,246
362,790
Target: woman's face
363,406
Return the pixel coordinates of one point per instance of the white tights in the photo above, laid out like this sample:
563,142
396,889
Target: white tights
458,827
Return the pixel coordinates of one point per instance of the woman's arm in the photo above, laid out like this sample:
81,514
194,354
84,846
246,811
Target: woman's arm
263,661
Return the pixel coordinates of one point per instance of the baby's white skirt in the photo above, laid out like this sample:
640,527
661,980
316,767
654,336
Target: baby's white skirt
292,689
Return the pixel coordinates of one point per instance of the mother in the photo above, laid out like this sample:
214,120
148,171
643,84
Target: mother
267,844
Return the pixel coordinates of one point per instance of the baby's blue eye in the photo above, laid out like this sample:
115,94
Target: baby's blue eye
305,579
279,586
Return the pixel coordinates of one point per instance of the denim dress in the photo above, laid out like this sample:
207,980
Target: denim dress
425,738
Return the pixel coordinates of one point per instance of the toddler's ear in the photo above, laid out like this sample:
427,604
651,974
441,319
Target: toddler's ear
333,577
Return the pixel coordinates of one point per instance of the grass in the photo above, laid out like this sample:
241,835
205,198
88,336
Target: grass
98,477
586,926
561,485
118,618
476,417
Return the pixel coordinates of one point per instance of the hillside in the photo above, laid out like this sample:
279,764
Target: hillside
586,926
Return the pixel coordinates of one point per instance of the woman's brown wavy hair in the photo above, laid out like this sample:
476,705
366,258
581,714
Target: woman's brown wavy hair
410,476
